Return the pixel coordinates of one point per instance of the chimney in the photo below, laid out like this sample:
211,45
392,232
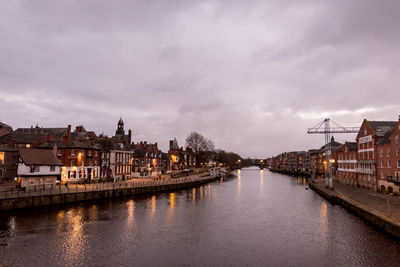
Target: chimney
55,150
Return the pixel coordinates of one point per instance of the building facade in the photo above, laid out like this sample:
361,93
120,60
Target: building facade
38,169
8,166
347,164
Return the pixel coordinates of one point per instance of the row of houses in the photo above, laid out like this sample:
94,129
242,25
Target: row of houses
38,156
371,161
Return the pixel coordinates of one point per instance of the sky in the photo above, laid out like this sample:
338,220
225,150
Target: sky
252,76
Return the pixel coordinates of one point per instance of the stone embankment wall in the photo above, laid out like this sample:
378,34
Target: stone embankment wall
64,198
372,216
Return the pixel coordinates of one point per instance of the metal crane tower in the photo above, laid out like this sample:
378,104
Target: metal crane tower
328,127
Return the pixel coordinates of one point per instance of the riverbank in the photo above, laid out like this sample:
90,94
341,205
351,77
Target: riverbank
377,209
64,195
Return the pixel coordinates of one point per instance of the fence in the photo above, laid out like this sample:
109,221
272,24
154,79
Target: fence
75,188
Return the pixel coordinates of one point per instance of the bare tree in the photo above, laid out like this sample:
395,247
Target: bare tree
200,145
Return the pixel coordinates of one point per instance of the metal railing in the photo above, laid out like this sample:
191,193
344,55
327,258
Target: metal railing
75,188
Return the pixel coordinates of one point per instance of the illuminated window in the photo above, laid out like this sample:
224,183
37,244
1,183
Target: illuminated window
28,146
1,157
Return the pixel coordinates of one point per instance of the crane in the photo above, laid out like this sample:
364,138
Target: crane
328,127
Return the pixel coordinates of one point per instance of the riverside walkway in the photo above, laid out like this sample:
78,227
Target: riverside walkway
376,208
82,188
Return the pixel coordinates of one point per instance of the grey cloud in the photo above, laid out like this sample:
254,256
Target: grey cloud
250,75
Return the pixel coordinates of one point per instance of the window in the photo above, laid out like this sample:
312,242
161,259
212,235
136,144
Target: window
388,152
89,153
1,157
397,151
388,163
1,173
381,153
396,139
398,164
34,168
382,176
73,152
381,163
52,168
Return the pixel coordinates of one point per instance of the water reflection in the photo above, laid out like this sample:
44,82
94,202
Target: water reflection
12,226
324,219
200,226
193,195
239,181
131,214
74,241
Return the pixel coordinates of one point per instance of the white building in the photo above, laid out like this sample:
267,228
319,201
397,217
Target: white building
38,168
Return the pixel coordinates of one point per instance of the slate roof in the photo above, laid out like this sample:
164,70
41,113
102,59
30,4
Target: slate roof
382,130
7,149
71,144
31,156
352,146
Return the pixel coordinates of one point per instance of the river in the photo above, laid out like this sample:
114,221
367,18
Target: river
257,218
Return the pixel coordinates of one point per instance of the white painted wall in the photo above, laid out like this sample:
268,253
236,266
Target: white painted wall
25,170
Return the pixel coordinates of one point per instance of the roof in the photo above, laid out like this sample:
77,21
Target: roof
7,149
71,144
352,146
33,134
175,145
31,156
5,129
382,130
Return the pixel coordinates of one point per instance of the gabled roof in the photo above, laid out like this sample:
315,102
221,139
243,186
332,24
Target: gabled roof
31,156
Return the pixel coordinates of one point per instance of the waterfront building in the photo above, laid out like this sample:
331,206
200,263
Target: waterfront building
148,158
174,155
347,164
8,166
38,168
32,137
78,153
116,159
189,158
388,161
371,135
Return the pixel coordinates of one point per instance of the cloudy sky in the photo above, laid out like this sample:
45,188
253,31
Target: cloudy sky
249,75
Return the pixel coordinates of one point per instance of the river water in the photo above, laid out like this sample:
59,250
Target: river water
257,218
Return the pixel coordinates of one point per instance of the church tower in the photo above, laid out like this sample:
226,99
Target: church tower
120,127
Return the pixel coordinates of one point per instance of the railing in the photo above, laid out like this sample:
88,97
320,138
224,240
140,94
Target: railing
75,188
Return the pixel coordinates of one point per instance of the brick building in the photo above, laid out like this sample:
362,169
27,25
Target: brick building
347,164
388,161
78,153
148,158
371,135
8,165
